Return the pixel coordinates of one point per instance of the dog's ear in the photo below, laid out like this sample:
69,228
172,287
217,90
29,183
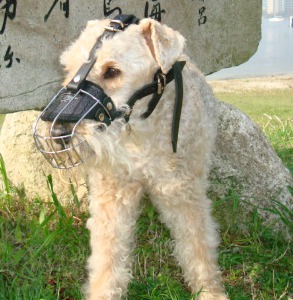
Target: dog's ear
165,44
77,53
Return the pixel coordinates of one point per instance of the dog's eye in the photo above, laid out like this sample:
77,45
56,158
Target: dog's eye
111,73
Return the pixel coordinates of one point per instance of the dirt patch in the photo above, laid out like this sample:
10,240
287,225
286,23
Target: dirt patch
284,82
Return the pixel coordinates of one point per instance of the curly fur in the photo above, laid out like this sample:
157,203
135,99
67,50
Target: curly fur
136,157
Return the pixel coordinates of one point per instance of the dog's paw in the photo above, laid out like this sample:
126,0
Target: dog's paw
212,296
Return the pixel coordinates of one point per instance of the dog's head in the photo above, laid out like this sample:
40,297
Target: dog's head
106,72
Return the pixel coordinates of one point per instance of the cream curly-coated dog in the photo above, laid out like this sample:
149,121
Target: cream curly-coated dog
135,155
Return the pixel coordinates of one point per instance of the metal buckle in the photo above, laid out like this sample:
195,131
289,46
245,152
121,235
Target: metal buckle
112,28
118,22
162,81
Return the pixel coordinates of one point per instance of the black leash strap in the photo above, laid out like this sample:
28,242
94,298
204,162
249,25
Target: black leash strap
177,70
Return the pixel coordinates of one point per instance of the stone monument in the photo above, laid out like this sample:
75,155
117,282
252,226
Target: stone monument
33,33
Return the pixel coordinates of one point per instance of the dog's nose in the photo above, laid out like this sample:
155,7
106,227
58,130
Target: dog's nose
61,134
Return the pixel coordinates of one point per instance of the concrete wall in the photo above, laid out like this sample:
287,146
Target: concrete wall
33,33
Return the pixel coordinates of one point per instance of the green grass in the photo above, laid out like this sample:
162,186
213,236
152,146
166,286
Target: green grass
44,245
260,102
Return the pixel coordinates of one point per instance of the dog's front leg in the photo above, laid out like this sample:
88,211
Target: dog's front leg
185,209
114,210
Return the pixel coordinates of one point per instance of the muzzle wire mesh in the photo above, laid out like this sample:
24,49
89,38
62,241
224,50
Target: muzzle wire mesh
67,150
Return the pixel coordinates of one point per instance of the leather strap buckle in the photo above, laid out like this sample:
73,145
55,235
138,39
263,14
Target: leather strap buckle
111,27
162,81
120,22
114,29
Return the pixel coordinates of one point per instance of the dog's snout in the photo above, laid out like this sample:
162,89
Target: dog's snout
62,133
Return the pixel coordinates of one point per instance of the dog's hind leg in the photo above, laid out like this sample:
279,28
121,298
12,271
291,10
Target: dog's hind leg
114,208
186,211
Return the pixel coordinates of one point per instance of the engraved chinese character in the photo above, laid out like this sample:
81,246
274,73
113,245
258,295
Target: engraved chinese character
107,8
8,57
202,17
156,11
64,6
9,12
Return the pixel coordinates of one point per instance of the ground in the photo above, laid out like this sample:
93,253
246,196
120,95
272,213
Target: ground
261,83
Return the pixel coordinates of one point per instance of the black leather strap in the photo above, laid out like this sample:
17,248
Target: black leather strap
152,88
120,22
177,69
71,107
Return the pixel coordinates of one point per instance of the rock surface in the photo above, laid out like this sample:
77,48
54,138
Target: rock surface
245,162
218,34
26,166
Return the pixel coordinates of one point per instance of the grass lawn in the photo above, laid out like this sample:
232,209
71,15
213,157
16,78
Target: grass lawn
44,245
257,104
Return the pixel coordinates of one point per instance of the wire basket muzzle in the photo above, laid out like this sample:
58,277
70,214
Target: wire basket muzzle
61,144
64,152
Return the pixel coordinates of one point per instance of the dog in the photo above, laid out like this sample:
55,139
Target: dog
158,143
